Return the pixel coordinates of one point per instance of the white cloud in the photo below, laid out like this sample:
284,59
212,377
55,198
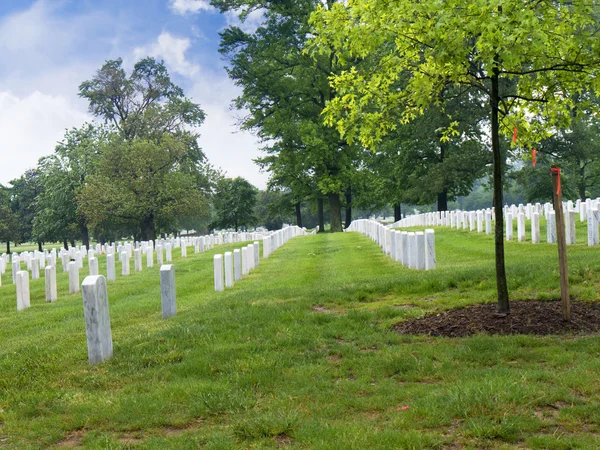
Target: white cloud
225,146
172,49
250,24
30,127
184,7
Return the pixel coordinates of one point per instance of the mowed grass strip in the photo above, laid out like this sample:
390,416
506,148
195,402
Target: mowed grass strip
300,354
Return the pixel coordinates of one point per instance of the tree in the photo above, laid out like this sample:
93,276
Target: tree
271,207
58,215
234,202
524,59
152,176
23,195
285,91
8,220
145,104
145,186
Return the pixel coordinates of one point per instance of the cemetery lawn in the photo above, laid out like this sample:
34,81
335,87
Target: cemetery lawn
301,354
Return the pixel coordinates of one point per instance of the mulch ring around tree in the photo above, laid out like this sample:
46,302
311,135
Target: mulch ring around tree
526,317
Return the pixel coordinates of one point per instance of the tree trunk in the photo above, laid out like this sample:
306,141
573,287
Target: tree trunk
85,236
335,213
298,215
72,243
442,201
582,183
397,212
321,215
8,247
66,244
348,207
501,285
148,232
40,249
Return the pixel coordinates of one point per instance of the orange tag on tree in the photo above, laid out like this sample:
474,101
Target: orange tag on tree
534,156
515,135
557,171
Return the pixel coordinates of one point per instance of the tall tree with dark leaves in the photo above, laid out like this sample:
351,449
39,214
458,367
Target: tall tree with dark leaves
8,220
235,202
285,91
64,174
525,59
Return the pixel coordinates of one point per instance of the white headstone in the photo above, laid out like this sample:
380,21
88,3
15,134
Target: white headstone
73,277
551,228
35,269
245,267
535,228
509,226
22,281
228,269
93,265
111,272
149,257
237,264
168,291
256,254
50,278
521,227
218,263
420,250
125,269
430,261
97,319
137,260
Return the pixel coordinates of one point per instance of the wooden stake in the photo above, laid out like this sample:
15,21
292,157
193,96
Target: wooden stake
562,246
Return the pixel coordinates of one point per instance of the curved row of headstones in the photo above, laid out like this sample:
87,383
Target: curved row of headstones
415,250
479,220
232,266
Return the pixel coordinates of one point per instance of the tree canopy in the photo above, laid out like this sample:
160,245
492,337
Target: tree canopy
526,61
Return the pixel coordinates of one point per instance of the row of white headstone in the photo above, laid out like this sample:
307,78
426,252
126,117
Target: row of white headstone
97,316
124,250
232,266
478,220
415,250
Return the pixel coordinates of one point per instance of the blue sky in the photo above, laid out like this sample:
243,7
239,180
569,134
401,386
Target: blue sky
48,47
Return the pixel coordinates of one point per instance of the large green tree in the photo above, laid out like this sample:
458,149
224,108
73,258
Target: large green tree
234,203
8,220
525,60
285,91
58,216
142,104
23,195
145,186
152,176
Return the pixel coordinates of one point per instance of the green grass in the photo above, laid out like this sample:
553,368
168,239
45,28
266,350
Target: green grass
300,354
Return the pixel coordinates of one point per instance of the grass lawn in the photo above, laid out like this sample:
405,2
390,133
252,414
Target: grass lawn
299,354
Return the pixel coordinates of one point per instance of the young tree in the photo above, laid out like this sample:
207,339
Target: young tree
524,59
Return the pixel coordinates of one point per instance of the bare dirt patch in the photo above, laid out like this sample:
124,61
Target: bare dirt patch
322,309
73,440
526,317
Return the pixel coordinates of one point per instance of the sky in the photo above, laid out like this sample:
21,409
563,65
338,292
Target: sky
48,47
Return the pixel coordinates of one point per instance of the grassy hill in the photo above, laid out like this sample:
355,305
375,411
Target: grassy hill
301,354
